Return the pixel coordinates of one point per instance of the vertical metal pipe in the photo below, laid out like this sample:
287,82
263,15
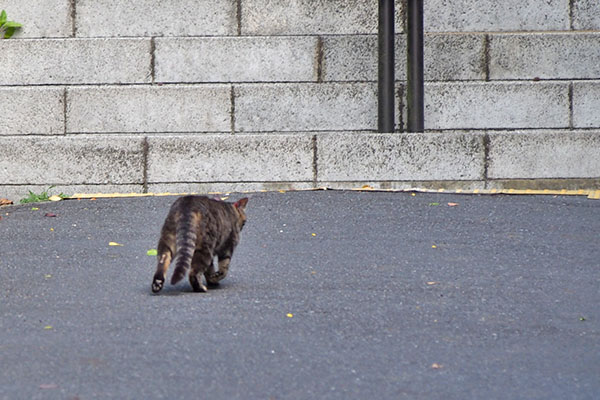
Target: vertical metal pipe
414,63
386,68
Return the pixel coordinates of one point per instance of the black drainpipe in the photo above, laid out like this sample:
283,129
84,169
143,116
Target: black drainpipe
386,68
414,67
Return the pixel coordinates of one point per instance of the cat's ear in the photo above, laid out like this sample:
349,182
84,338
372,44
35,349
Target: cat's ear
241,203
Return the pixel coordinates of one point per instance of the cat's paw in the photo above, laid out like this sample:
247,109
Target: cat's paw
197,285
212,284
214,278
157,285
200,288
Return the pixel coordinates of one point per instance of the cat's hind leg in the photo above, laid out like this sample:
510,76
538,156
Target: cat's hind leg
200,264
210,272
214,278
164,260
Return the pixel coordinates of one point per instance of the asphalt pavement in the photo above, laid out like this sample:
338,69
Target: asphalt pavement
330,295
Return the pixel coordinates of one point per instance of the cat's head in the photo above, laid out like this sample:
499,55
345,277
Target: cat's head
240,207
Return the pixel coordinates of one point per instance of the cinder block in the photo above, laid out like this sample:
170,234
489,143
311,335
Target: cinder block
156,18
48,18
73,61
545,56
492,15
498,105
400,157
586,14
586,104
225,187
447,57
38,110
230,158
544,154
354,58
305,107
236,59
173,108
71,160
297,17
443,185
453,57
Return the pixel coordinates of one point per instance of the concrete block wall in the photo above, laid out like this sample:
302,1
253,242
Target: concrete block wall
199,95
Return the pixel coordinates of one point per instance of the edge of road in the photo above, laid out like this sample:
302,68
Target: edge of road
590,193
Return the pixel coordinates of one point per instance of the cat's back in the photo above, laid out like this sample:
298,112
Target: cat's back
202,205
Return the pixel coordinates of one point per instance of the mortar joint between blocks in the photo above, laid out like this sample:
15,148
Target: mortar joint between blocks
153,59
73,15
232,115
486,57
570,100
486,158
145,151
571,13
400,97
319,59
238,16
65,99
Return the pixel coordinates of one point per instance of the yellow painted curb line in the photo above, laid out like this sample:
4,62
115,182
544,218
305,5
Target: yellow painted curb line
591,194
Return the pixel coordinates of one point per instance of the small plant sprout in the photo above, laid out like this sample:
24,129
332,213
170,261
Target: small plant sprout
7,28
44,196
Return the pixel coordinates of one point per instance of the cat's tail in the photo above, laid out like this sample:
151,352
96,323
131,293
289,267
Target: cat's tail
185,239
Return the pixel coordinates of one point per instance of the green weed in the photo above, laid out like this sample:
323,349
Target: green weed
37,198
7,28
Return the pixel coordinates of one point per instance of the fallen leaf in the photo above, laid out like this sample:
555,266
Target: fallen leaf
290,315
433,246
282,191
47,276
48,327
313,234
452,204
34,208
152,252
49,215
114,244
432,283
5,202
582,319
434,204
51,229
413,194
55,198
437,366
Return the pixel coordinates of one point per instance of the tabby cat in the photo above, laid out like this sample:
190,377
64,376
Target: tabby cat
195,231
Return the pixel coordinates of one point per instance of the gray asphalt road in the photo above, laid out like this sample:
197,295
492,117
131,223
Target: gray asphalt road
331,295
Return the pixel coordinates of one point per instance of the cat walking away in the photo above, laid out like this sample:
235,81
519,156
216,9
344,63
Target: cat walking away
196,230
